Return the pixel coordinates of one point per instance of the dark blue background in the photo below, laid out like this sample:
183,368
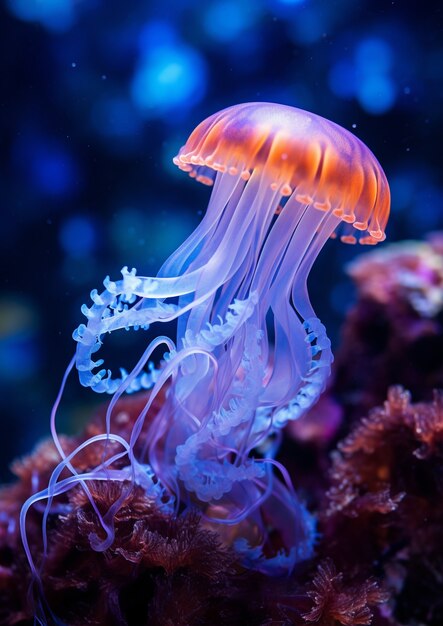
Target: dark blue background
98,95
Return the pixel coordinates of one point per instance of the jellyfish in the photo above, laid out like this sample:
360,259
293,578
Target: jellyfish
249,353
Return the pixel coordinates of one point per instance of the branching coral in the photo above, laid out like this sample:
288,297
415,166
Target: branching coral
338,603
150,552
391,453
385,502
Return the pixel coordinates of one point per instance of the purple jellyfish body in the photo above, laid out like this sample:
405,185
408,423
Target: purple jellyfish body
283,181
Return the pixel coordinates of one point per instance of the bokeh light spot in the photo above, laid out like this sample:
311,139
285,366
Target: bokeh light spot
309,24
156,33
53,170
55,15
376,94
168,77
19,354
374,55
77,236
141,235
235,16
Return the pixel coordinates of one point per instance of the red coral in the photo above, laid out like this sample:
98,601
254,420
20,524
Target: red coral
338,603
388,456
128,583
386,479
394,333
386,502
103,587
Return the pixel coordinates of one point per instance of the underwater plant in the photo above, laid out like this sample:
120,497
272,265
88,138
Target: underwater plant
250,355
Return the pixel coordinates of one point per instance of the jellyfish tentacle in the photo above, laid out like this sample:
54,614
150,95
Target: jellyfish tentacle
300,295
204,477
210,478
235,244
179,260
107,314
314,380
56,488
111,311
215,335
292,329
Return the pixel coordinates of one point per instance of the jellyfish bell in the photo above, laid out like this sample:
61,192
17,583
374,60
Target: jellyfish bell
284,181
300,154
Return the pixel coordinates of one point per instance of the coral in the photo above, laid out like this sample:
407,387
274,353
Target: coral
393,453
338,603
411,271
378,556
160,569
386,503
394,333
151,552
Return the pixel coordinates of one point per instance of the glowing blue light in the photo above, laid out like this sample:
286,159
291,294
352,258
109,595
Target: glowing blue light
169,230
367,76
168,77
374,55
52,169
129,230
376,94
18,358
343,79
235,17
56,15
77,236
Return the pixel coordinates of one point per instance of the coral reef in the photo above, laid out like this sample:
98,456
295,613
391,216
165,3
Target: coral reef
159,569
380,541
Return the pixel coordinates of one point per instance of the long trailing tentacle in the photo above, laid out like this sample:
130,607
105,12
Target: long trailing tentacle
208,449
